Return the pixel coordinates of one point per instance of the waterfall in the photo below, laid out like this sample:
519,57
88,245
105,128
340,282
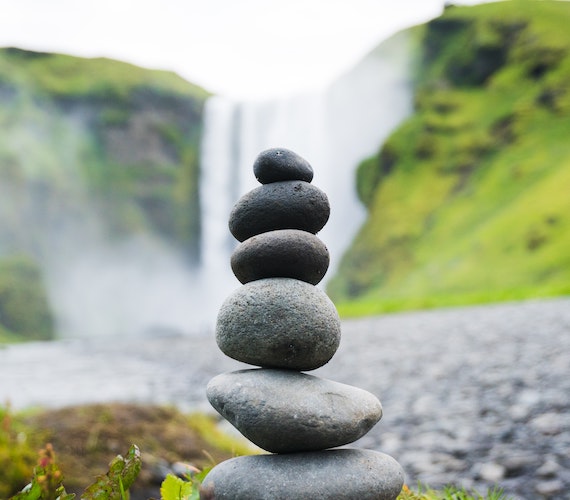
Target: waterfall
334,129
139,283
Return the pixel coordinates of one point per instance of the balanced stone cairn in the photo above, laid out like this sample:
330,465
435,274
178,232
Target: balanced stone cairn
281,322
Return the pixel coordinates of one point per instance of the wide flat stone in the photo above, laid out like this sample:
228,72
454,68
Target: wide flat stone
279,322
284,411
286,253
279,205
280,164
342,474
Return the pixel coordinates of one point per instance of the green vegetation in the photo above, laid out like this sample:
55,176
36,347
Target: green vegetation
67,76
87,437
449,493
468,199
24,309
97,150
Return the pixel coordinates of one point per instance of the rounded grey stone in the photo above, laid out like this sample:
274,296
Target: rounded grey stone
279,322
280,164
283,411
342,474
279,205
285,253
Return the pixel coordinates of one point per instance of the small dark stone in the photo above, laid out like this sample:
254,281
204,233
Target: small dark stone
280,164
284,411
279,322
280,205
342,474
285,253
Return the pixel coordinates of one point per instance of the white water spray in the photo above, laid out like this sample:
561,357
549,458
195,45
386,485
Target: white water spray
333,129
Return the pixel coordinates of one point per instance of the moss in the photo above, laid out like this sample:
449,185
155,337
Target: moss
480,167
87,437
24,309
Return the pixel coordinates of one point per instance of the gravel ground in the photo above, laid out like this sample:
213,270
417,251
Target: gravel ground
476,396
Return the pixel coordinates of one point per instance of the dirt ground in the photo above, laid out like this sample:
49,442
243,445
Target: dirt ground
87,438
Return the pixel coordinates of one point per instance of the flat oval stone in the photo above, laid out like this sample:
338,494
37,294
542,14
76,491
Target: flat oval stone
280,164
286,253
279,205
279,322
343,474
284,411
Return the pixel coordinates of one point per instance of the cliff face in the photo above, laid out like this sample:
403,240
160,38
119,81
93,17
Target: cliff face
95,150
468,200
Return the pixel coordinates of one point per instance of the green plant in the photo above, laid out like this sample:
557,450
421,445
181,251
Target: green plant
449,493
188,488
47,480
25,313
17,455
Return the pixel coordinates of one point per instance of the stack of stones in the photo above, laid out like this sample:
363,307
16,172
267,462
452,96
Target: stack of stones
282,323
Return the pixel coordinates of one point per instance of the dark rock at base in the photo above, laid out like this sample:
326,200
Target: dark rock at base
283,411
279,205
280,164
343,474
279,322
286,253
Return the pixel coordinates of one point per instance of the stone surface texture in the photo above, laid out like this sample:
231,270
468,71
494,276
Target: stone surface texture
284,411
461,386
279,205
279,322
287,253
280,164
342,474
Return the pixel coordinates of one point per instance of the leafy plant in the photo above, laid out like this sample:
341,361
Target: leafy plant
47,480
449,493
121,476
17,456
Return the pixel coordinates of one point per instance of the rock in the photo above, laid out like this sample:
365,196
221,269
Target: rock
340,474
550,488
550,423
491,472
280,323
548,469
284,411
279,205
286,253
280,164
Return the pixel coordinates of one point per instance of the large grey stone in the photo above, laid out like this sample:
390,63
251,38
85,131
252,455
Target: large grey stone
343,474
279,205
279,322
280,164
286,253
284,411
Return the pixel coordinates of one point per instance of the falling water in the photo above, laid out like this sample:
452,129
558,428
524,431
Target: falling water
334,129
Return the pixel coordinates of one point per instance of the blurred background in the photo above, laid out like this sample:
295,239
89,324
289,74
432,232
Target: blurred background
130,130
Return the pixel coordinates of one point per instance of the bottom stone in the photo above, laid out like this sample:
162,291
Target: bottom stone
330,474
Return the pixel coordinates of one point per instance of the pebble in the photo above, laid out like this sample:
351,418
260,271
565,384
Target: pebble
342,474
445,353
279,322
279,205
284,411
280,164
287,253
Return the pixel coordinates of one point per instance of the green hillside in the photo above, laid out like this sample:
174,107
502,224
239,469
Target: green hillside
91,151
469,199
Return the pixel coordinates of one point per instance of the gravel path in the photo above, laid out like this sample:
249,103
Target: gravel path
473,396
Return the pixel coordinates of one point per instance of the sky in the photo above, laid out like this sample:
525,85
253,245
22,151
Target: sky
243,49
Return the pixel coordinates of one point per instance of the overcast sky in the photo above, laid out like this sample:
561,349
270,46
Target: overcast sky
239,48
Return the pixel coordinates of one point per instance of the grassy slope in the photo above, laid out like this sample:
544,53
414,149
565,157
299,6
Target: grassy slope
65,75
471,195
66,124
